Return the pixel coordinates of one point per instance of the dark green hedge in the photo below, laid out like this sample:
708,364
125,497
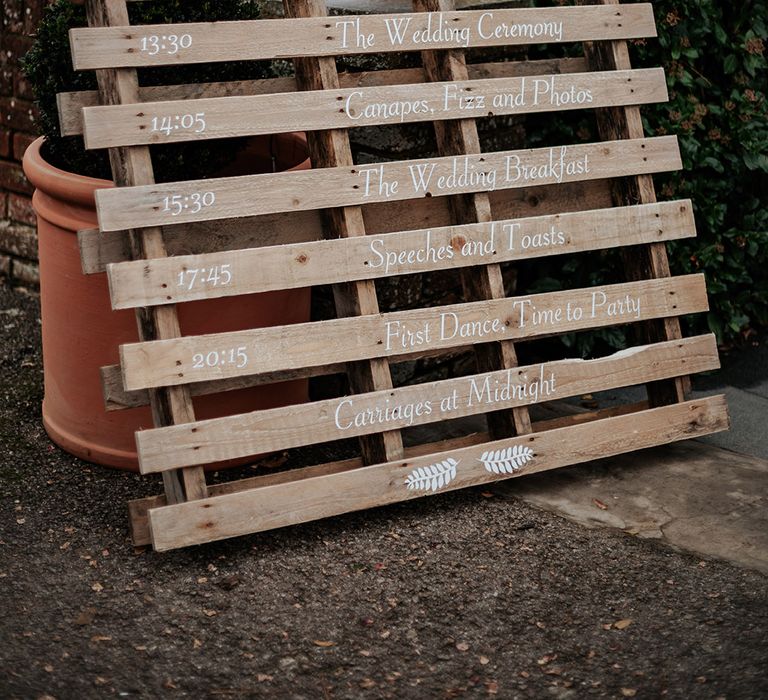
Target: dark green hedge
713,52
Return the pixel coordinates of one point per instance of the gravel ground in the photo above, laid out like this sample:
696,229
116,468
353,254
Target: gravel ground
461,595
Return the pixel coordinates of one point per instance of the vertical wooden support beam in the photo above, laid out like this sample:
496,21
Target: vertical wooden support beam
331,148
133,166
459,137
647,261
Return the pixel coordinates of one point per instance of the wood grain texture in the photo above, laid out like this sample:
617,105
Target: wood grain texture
97,249
228,117
280,505
454,138
117,398
151,45
287,427
71,104
352,186
643,262
139,508
184,278
133,166
330,149
167,362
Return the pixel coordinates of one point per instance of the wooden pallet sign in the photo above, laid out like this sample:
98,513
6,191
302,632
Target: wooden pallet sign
347,224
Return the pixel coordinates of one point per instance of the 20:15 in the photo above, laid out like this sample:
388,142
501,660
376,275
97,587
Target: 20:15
234,356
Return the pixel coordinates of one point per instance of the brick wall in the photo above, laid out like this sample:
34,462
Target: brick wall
18,244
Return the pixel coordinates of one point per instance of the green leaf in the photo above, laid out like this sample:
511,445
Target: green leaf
730,64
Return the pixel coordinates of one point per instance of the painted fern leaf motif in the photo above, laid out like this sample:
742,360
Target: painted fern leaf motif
433,477
507,461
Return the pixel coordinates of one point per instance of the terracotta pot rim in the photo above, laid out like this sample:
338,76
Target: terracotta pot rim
72,187
58,183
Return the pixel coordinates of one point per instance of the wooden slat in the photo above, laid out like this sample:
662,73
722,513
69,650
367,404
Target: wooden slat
485,282
71,104
117,398
181,44
163,363
224,198
276,506
184,278
133,166
97,249
331,149
287,427
139,508
228,117
649,261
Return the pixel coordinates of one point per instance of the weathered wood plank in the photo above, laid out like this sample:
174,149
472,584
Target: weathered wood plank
230,273
350,185
97,249
203,358
455,138
139,508
649,261
228,117
331,149
133,166
71,104
287,427
280,505
116,398
211,42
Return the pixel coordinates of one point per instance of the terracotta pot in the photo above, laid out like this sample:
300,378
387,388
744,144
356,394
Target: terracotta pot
81,333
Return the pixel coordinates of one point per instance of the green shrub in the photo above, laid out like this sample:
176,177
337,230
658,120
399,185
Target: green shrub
714,55
48,66
713,52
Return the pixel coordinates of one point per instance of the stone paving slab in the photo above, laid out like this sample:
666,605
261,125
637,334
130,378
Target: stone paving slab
691,495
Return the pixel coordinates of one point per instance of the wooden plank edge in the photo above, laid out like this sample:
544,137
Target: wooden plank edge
166,363
70,104
345,186
288,427
139,508
99,48
111,126
142,283
270,507
117,398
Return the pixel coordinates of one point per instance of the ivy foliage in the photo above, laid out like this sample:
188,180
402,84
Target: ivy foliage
714,55
48,66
